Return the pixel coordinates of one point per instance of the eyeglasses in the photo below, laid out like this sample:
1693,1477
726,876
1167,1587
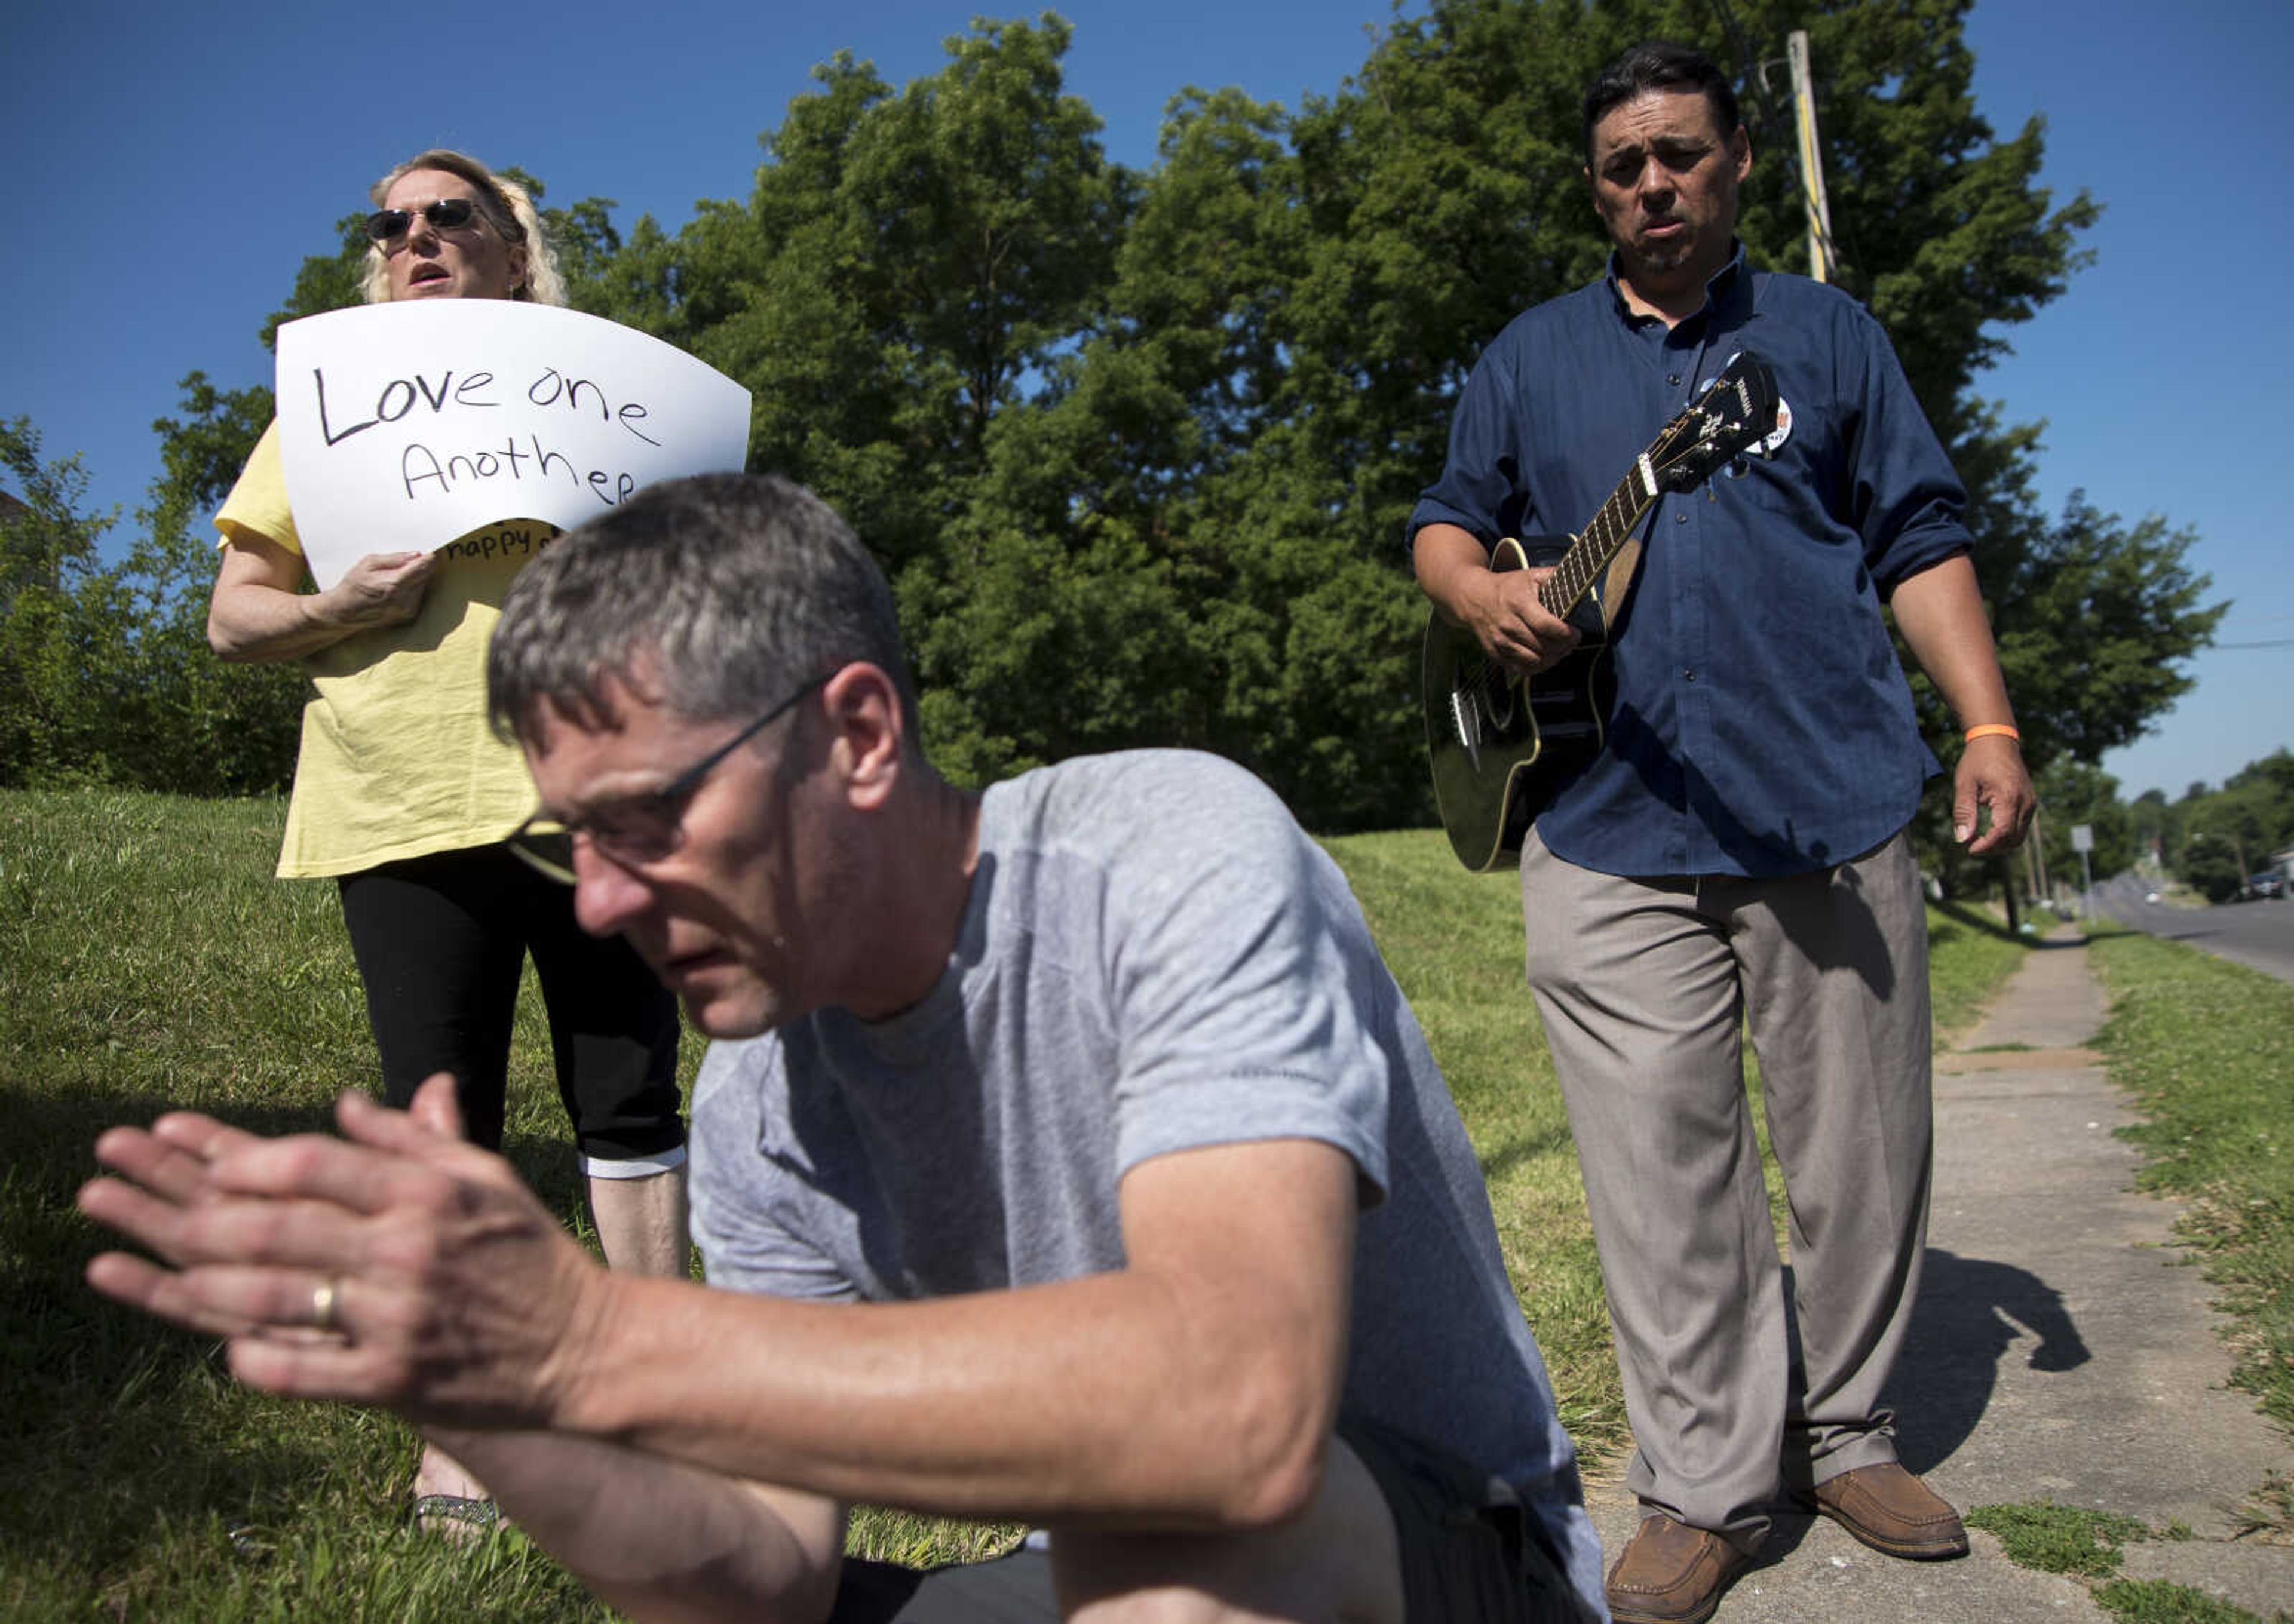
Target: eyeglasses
389,225
636,829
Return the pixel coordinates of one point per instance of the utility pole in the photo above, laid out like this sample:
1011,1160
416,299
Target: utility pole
1811,157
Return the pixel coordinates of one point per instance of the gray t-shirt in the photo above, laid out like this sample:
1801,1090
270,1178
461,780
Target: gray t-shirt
1154,957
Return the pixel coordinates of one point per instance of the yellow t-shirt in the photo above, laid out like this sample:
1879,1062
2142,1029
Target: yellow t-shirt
397,760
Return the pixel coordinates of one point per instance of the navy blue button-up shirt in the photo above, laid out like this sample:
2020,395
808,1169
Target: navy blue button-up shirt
1762,725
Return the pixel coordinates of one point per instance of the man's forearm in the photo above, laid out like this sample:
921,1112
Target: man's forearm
1940,611
1193,1388
658,1539
1182,1393
1446,558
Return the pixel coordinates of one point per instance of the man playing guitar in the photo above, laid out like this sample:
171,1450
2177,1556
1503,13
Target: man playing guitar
1735,852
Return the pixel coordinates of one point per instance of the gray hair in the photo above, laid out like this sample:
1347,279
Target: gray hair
732,590
508,209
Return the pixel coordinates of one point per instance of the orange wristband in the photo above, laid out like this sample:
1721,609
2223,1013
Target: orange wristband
1984,730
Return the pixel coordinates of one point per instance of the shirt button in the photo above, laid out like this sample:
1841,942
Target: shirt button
1675,379
1680,519
1688,675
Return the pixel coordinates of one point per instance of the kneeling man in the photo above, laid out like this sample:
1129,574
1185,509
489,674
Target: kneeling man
1076,1162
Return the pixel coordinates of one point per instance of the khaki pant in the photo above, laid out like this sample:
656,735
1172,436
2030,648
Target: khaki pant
1644,985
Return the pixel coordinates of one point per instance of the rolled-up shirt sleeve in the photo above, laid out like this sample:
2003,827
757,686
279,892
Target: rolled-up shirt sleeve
1910,506
1482,489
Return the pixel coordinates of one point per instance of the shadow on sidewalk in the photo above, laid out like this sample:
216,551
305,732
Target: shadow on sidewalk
1971,1313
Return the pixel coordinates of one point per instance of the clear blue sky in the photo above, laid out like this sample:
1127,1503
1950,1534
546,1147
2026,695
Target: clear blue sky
174,163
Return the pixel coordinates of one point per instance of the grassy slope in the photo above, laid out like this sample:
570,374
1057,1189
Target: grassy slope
149,962
2203,1046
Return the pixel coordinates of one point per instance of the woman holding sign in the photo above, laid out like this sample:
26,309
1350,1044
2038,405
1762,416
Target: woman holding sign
404,796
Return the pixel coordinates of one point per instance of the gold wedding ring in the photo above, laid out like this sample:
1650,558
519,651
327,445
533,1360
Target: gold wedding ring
323,1303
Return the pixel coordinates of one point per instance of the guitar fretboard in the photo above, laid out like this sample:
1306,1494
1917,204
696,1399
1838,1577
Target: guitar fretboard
1590,553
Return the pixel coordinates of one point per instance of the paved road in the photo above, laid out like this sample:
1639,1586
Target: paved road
2259,935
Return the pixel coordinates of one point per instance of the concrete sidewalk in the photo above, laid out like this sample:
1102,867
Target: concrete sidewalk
2063,1350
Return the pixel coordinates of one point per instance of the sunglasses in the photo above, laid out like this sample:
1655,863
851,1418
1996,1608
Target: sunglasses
389,225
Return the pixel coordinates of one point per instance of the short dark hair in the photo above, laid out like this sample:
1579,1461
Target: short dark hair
730,590
1660,64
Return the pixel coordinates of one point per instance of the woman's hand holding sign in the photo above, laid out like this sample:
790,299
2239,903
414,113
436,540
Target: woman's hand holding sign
258,613
381,589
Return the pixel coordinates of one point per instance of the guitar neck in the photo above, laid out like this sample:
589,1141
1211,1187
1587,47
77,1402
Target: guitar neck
1590,553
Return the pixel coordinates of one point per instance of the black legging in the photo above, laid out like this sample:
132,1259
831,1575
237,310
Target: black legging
441,941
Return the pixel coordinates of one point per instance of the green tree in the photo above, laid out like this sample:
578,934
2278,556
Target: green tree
57,620
2095,620
913,268
1441,191
325,281
1136,447
2072,794
105,675
214,728
2230,833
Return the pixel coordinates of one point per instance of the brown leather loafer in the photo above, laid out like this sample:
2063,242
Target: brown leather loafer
1891,1510
1672,1573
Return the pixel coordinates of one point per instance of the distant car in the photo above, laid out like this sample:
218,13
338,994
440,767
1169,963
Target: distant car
2269,883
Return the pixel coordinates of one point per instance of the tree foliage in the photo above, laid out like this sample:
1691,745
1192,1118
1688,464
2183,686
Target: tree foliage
2220,837
2079,794
105,675
54,608
1136,446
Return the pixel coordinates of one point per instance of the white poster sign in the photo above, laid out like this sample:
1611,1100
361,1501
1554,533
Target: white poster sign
404,426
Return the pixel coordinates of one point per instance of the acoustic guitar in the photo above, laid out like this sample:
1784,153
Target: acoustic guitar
1501,745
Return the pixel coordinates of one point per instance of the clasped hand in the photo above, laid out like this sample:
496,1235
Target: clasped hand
395,1266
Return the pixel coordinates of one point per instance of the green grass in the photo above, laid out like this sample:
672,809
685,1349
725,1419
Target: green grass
1970,953
149,962
2087,1545
1454,941
2060,1539
2202,1044
2153,1601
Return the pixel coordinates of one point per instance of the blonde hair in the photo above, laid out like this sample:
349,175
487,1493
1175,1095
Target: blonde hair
508,209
